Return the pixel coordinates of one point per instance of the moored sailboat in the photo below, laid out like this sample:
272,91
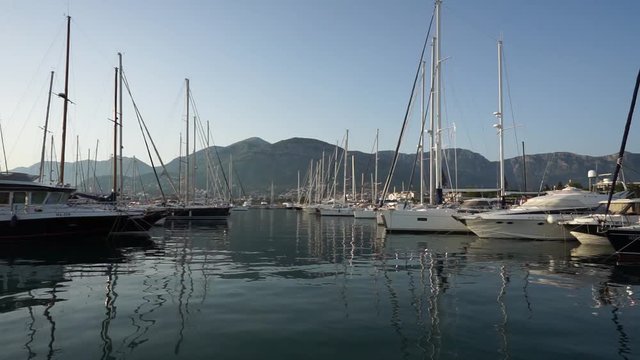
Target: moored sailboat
190,208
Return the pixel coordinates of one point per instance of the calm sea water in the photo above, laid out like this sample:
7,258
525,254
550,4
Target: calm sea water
280,284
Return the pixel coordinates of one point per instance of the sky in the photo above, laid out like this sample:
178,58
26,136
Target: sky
279,69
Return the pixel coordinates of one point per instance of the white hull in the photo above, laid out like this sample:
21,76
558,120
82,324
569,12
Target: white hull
422,220
364,214
590,239
590,229
532,227
337,211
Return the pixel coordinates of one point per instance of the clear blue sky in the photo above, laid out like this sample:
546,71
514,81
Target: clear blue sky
312,68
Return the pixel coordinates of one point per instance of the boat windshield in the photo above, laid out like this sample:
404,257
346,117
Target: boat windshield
37,197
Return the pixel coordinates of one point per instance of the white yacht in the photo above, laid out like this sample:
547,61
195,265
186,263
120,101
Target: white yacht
434,219
591,229
537,218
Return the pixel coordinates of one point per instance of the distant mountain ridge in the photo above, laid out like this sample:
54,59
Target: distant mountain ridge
257,164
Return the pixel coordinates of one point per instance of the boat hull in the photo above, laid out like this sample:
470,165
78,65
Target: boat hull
625,241
435,220
364,214
528,227
62,225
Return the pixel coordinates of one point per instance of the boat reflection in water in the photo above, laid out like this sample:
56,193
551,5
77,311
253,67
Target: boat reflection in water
289,285
36,280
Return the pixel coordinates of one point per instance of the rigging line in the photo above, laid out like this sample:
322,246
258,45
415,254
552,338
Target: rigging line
544,174
513,117
394,162
369,158
444,153
37,72
4,151
198,123
420,141
142,124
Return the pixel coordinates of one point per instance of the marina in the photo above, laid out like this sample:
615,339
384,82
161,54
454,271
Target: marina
442,240
287,284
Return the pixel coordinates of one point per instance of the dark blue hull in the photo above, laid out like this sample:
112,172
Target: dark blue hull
626,242
60,227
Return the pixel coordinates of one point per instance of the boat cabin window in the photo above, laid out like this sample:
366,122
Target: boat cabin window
54,198
37,197
632,209
619,208
4,198
19,197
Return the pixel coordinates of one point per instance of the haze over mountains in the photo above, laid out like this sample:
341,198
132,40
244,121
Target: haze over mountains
257,164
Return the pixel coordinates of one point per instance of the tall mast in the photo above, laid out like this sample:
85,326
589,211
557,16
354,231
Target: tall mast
422,122
209,165
500,125
45,130
115,134
195,163
187,170
231,174
121,187
353,177
432,175
438,106
623,145
51,161
346,158
65,96
375,181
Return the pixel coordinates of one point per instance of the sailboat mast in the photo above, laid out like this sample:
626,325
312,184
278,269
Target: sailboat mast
51,161
438,103
623,145
195,164
375,181
231,174
121,187
353,177
346,159
524,169
188,168
115,134
501,121
65,96
44,131
432,177
422,122
209,166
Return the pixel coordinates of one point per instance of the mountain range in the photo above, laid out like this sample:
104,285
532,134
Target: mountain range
257,164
